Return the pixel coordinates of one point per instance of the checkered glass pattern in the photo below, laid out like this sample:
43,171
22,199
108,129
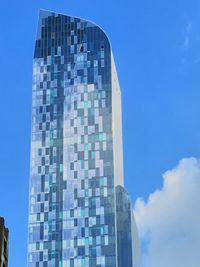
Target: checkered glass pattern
72,211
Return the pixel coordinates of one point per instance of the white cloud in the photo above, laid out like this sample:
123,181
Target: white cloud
187,36
189,27
186,43
169,222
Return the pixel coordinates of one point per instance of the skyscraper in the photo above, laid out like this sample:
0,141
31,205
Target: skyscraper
80,215
3,244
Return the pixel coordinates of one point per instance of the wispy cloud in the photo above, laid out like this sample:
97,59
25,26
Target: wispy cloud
187,36
186,43
169,221
186,47
189,27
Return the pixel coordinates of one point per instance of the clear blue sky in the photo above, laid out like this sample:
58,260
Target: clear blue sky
157,52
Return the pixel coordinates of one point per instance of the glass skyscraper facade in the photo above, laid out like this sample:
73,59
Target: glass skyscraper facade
79,214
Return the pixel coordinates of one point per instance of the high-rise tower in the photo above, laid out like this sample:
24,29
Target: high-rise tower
4,233
80,214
